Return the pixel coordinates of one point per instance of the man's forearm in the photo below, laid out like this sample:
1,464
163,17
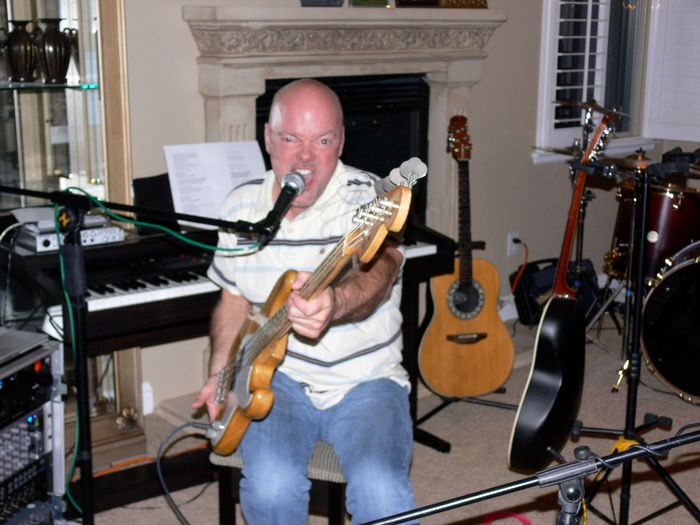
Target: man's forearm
357,296
227,319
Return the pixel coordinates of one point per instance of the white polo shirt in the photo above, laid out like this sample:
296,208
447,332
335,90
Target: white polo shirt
348,353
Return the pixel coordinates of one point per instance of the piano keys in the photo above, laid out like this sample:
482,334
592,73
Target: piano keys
153,290
146,291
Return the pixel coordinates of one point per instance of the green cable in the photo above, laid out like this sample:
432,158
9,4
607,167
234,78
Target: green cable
165,229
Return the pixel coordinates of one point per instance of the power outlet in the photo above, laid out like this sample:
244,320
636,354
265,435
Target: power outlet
511,245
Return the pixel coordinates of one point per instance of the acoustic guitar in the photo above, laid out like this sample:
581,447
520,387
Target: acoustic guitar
243,385
552,395
466,349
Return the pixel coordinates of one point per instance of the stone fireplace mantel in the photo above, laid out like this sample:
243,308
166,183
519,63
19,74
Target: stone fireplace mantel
240,48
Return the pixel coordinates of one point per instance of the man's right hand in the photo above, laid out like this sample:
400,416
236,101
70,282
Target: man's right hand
207,396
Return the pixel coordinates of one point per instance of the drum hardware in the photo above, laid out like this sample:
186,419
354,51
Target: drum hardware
591,105
694,170
620,376
605,307
675,162
631,369
634,162
570,151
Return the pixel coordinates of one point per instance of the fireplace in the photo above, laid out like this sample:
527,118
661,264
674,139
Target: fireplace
245,51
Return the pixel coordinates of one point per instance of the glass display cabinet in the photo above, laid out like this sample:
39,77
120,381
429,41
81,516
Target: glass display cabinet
54,111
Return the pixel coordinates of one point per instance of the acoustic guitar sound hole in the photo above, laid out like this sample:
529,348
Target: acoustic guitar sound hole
465,300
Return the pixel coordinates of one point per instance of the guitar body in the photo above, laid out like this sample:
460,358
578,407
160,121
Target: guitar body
256,399
551,400
460,357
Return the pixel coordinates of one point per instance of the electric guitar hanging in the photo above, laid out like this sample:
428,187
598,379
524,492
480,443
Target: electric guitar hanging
244,382
552,396
466,349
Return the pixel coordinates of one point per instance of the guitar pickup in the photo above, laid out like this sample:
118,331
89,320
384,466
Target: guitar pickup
464,339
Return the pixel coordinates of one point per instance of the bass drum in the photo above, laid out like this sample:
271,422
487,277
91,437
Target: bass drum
671,325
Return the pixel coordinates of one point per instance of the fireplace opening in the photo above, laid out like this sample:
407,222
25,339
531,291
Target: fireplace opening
386,123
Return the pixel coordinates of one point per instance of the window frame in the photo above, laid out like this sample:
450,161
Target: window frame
547,136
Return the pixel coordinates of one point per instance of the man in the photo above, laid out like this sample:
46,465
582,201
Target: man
341,380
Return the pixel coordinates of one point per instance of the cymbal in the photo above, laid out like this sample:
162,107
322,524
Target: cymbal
592,105
694,170
635,161
570,151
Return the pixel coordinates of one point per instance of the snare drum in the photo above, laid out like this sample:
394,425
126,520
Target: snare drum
671,325
673,221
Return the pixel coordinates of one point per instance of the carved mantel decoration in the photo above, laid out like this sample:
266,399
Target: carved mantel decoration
242,47
244,41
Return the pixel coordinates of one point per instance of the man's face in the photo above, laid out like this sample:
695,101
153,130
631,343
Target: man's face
305,135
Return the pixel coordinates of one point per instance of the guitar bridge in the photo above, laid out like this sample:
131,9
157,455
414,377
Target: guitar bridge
466,339
222,383
256,315
225,378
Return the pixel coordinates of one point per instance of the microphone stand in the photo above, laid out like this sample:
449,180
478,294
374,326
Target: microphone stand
568,476
70,218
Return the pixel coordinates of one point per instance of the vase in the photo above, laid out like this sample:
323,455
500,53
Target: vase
21,55
53,48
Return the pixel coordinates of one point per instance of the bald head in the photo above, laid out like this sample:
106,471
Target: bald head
305,91
305,134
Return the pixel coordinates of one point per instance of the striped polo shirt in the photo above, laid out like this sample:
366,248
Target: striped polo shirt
348,353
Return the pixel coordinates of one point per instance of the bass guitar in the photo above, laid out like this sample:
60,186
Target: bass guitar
552,395
466,349
243,386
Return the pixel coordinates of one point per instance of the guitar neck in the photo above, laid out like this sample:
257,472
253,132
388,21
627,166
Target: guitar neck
560,286
465,235
326,272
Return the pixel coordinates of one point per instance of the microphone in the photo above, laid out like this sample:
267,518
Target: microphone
293,184
407,174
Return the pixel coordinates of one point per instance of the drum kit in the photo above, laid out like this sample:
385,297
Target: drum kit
670,333
670,337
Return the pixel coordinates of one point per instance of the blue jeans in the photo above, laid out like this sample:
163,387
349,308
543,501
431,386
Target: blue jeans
371,431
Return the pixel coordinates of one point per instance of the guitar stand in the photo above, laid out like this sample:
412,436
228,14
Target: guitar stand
440,444
631,432
430,440
447,401
606,307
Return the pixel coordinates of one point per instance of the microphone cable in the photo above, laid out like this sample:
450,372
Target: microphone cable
166,492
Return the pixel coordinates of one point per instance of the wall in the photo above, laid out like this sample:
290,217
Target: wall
508,192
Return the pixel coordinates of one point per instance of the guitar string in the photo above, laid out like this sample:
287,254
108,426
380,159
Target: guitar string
278,323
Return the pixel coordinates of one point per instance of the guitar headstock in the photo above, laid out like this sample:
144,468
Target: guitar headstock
458,138
375,220
599,140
